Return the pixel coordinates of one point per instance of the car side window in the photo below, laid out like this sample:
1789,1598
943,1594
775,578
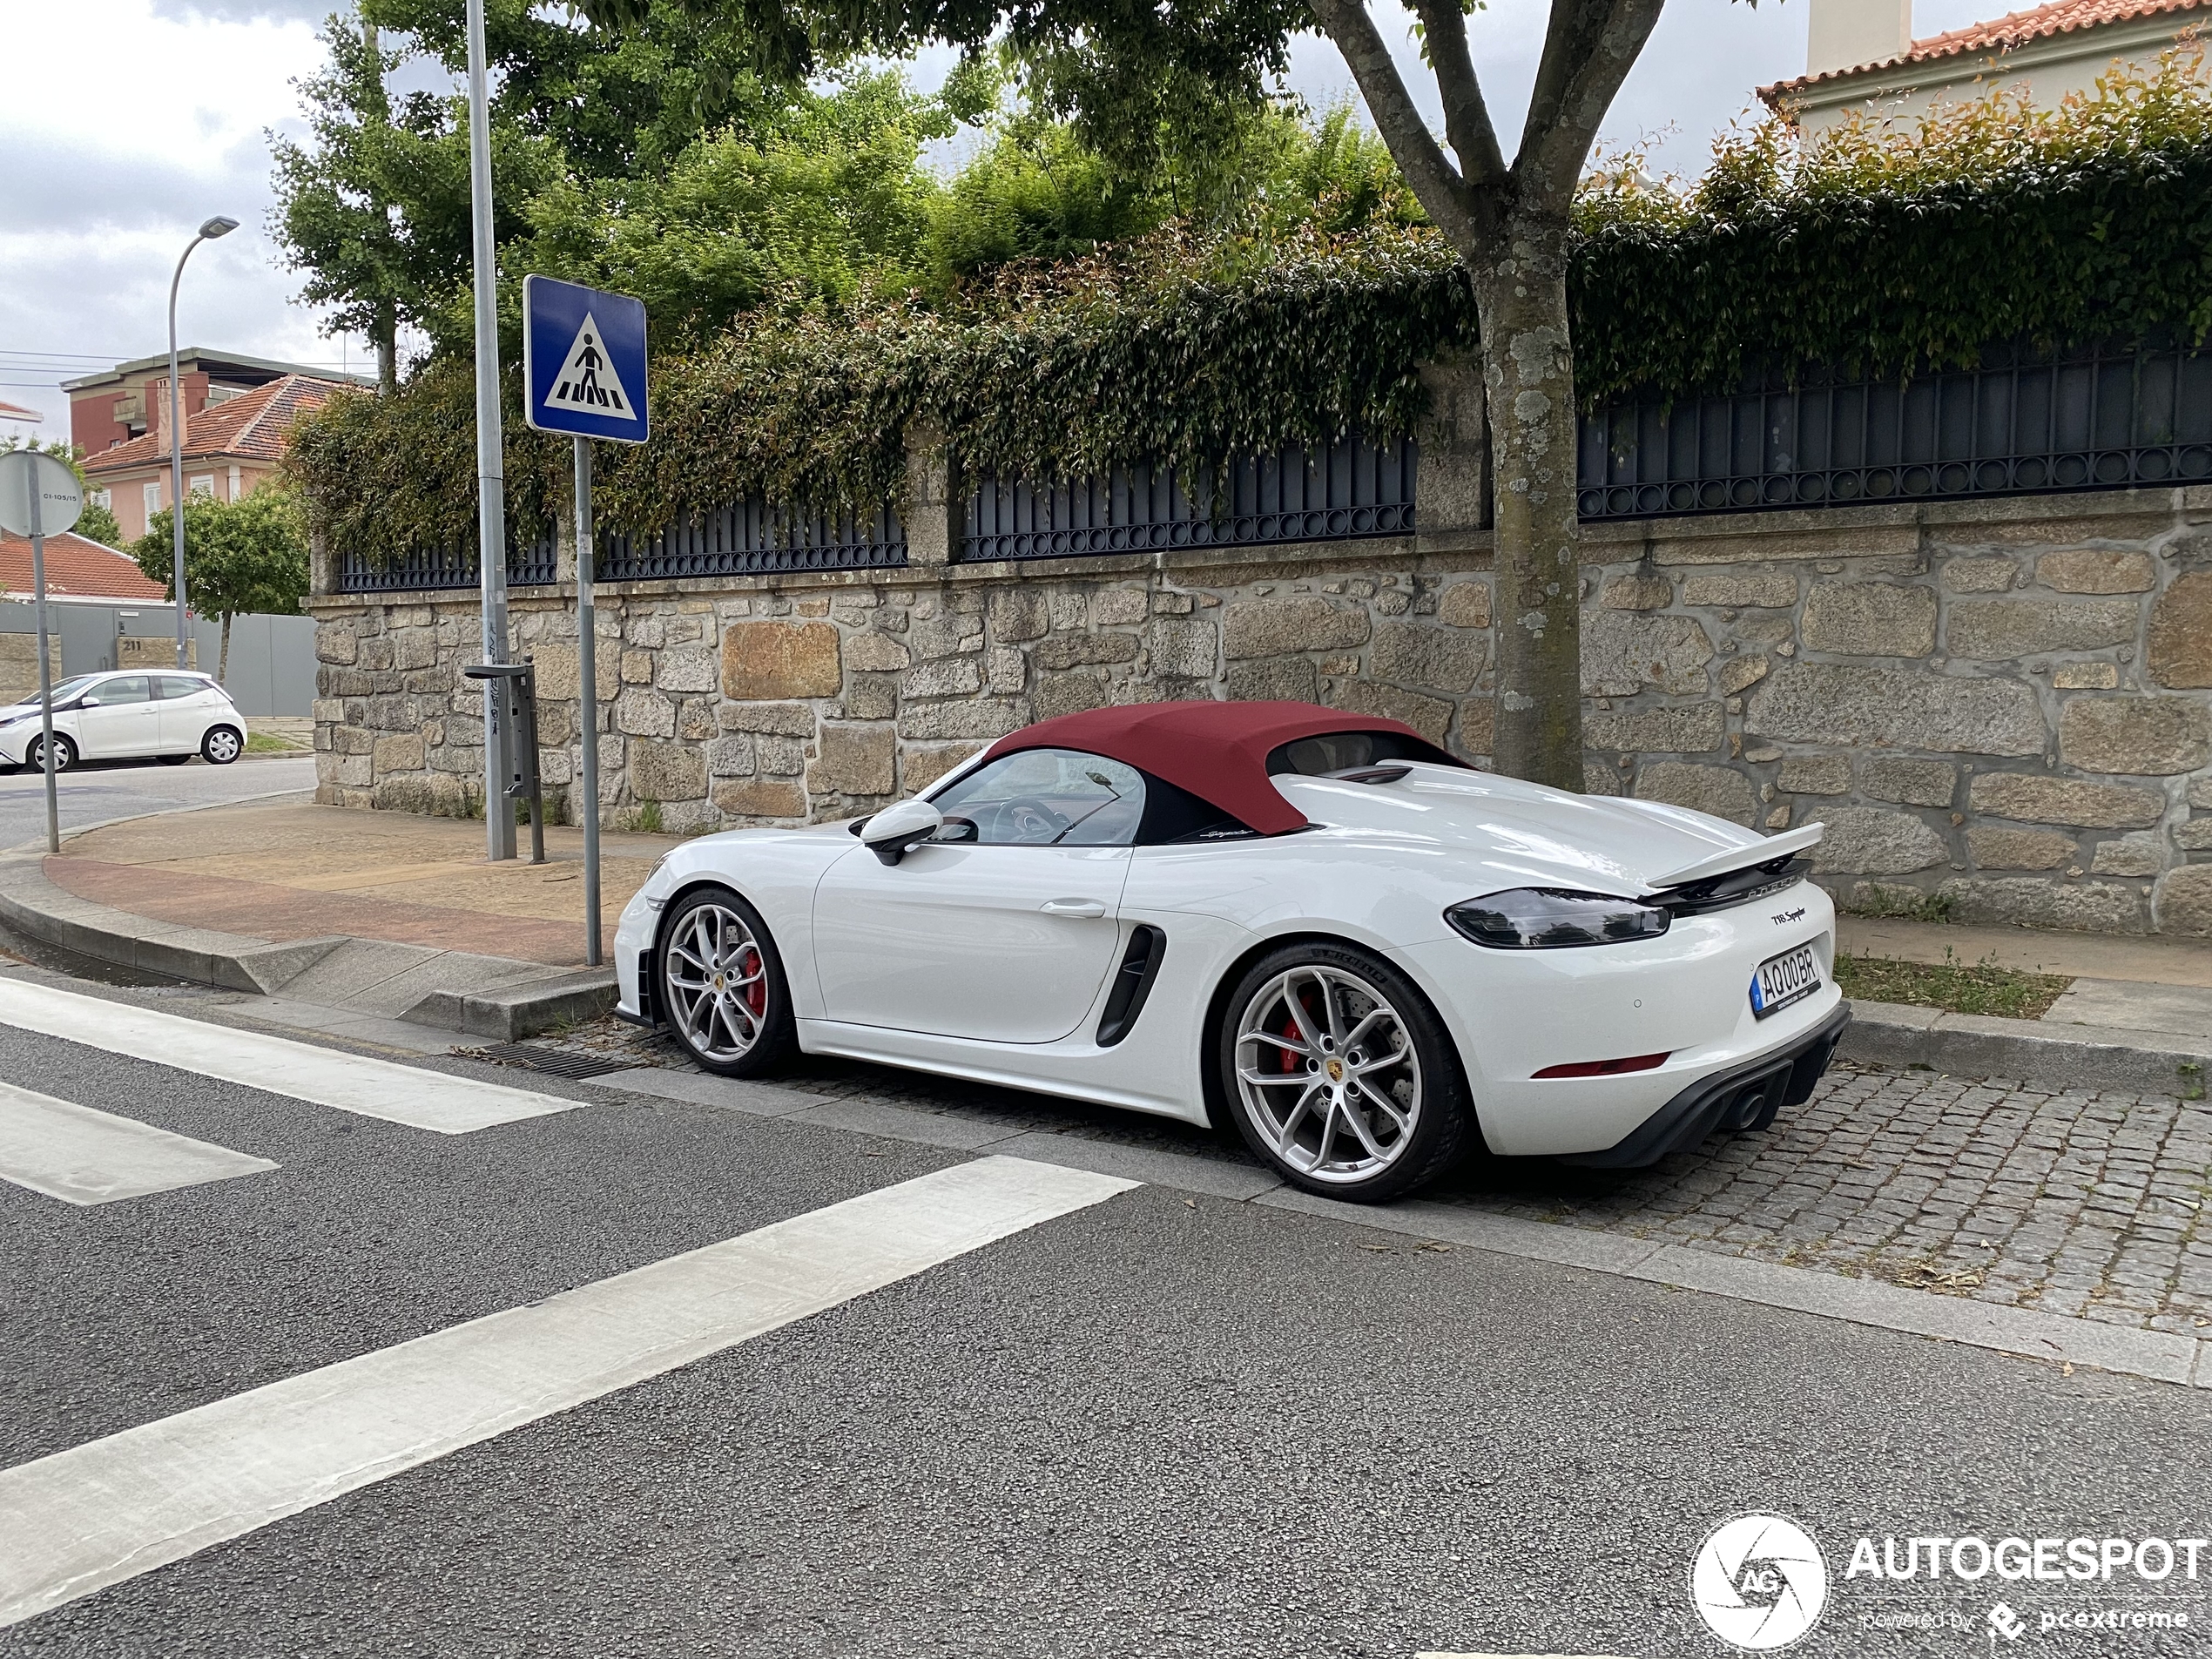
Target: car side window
131,688
1044,798
172,686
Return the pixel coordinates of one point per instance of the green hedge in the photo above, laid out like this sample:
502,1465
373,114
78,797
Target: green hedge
1882,253
1878,253
1168,351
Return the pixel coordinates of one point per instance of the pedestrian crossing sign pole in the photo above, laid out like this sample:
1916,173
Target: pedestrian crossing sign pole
41,496
583,369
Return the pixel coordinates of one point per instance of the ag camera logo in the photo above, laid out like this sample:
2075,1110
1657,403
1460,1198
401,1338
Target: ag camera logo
1759,1583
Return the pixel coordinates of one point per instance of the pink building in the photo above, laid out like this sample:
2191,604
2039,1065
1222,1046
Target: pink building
231,445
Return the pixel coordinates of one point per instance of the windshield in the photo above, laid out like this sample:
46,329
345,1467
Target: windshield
67,690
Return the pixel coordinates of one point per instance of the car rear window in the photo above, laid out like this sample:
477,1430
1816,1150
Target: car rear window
175,685
1317,757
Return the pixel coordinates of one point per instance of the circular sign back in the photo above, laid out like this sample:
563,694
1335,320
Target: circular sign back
61,498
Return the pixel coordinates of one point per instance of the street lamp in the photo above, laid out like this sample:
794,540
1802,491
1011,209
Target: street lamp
214,227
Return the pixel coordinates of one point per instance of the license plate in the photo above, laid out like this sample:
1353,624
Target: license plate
1791,977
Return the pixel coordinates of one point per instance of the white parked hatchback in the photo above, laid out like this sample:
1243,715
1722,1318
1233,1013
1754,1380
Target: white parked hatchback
170,717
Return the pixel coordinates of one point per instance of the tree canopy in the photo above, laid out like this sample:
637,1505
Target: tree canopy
670,159
247,557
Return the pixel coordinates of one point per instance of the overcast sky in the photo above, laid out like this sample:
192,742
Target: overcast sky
101,190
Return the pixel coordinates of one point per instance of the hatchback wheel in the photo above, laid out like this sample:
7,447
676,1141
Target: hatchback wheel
34,758
1340,1075
221,746
722,985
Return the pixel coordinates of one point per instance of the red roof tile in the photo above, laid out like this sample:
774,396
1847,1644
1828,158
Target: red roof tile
2003,34
78,568
251,427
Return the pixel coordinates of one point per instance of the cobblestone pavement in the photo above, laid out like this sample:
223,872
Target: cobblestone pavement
2092,1206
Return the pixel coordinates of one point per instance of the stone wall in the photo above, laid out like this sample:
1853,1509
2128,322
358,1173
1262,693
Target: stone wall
19,664
1999,708
156,650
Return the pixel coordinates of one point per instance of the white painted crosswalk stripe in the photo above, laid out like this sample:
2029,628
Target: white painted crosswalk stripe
111,1509
381,1089
84,1156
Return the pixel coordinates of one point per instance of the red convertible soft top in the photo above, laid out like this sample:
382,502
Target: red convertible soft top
1216,751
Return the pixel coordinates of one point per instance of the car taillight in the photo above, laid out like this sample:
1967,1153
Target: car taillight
1605,1068
1554,919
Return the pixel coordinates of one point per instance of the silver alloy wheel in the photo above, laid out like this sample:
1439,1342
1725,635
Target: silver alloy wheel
717,982
34,758
221,746
1326,1071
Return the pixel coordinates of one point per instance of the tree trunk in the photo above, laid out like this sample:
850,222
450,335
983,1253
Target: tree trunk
222,653
1507,223
385,325
1519,279
384,331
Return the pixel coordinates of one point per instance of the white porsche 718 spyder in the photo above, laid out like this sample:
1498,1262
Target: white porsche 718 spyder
1360,950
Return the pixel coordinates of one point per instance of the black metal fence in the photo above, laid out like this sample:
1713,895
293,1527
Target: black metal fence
447,568
734,540
1352,489
751,539
2024,423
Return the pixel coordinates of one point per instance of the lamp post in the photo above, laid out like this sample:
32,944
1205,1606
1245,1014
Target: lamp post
491,464
214,227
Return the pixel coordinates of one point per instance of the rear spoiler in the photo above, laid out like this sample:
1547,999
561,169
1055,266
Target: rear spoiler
1764,851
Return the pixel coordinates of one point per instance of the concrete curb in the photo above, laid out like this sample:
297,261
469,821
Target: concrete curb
2158,1355
509,1012
2053,1056
37,907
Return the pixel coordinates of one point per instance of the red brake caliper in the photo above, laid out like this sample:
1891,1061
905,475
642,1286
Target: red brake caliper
1290,1061
756,995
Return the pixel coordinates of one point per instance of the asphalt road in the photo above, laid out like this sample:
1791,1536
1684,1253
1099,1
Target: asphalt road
92,792
1165,1424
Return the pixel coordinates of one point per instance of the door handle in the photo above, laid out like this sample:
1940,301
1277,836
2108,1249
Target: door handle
1072,907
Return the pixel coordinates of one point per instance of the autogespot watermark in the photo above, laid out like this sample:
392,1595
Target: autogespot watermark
1760,1582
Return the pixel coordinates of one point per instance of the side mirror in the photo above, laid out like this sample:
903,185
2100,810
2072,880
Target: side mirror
88,701
896,830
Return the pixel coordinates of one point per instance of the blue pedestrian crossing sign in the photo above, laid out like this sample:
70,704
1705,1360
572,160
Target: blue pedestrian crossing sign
584,360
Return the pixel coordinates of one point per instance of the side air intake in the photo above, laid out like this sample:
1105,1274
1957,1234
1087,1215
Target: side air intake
1148,946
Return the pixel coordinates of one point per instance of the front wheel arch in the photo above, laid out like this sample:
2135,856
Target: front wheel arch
684,890
648,968
66,753
778,1036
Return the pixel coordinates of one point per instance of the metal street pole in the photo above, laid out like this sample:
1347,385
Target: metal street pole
588,691
491,505
45,672
214,227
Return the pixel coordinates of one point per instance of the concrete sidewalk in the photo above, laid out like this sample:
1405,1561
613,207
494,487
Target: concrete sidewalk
2153,985
287,869
347,920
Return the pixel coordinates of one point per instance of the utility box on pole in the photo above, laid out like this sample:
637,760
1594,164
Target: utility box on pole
512,687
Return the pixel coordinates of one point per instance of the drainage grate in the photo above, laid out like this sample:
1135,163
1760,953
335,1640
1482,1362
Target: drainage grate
559,1063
